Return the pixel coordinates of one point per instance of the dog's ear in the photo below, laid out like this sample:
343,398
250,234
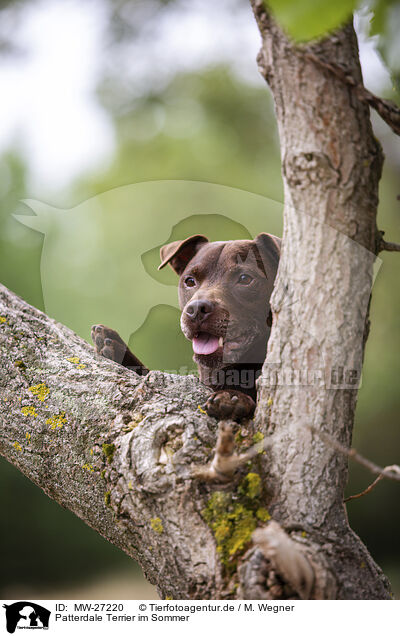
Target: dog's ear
269,245
179,253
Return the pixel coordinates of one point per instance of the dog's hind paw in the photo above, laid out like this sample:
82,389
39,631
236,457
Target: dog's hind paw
108,343
228,404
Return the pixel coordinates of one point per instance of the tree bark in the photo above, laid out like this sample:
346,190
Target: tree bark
331,165
93,435
119,450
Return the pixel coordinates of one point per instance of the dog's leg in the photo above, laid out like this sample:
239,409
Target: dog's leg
109,344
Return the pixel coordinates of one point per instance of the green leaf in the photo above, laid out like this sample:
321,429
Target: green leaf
310,19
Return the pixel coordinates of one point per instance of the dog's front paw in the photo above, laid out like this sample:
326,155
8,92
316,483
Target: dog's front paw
108,343
230,405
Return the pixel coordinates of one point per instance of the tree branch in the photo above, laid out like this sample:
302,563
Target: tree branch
120,451
91,433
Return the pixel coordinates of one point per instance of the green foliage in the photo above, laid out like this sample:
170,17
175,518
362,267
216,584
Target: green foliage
306,20
20,247
385,25
309,19
206,126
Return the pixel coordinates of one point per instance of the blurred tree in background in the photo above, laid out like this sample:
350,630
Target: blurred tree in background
204,124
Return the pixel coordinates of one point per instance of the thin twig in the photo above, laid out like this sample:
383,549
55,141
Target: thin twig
366,491
385,245
390,472
393,468
389,247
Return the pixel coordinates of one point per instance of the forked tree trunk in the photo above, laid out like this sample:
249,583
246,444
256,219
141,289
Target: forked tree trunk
331,165
118,450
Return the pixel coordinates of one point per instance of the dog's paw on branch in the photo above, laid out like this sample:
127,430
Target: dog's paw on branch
230,405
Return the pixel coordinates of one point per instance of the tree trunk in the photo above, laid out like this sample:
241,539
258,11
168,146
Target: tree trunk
118,449
331,166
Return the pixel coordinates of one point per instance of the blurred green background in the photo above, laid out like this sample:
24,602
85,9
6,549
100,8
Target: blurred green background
159,91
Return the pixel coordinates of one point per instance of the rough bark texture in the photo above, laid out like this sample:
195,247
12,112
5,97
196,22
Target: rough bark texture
118,450
90,433
331,166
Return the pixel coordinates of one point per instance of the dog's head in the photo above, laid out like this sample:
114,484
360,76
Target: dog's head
224,292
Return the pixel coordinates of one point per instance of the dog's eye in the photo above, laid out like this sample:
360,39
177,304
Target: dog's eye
190,282
245,279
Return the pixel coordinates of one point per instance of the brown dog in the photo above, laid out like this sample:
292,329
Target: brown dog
224,292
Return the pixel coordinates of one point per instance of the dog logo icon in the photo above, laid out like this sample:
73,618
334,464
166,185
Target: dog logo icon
26,615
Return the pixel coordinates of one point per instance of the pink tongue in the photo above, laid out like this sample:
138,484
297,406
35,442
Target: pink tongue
205,343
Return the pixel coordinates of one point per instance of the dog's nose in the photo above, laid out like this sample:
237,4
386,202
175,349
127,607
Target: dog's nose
199,310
